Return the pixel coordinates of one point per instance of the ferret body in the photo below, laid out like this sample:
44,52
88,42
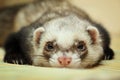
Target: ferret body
60,35
12,19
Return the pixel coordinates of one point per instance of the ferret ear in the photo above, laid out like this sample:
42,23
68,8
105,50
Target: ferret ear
37,34
94,34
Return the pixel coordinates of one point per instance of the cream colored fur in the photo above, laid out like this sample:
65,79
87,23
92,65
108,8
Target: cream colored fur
65,31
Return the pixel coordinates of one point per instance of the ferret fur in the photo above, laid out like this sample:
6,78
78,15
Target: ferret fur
59,21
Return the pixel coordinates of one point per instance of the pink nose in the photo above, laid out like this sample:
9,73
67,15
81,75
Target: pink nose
64,60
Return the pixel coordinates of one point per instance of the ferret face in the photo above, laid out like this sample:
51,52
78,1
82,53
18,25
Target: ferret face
59,56
67,42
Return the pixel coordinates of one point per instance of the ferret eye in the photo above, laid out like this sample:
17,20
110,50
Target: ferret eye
49,46
81,46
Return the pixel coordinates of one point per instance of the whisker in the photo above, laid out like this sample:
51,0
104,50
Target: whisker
77,62
38,55
52,60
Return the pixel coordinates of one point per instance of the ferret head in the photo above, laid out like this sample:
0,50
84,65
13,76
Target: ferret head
67,42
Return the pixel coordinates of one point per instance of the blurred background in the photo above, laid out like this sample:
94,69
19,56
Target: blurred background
106,12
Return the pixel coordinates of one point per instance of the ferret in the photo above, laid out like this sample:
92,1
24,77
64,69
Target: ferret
58,35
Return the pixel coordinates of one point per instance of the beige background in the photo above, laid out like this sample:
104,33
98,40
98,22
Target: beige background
106,12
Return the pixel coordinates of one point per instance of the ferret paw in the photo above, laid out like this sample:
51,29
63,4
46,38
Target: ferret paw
15,60
12,61
107,57
108,54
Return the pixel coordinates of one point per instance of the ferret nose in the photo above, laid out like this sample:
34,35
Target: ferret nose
64,60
